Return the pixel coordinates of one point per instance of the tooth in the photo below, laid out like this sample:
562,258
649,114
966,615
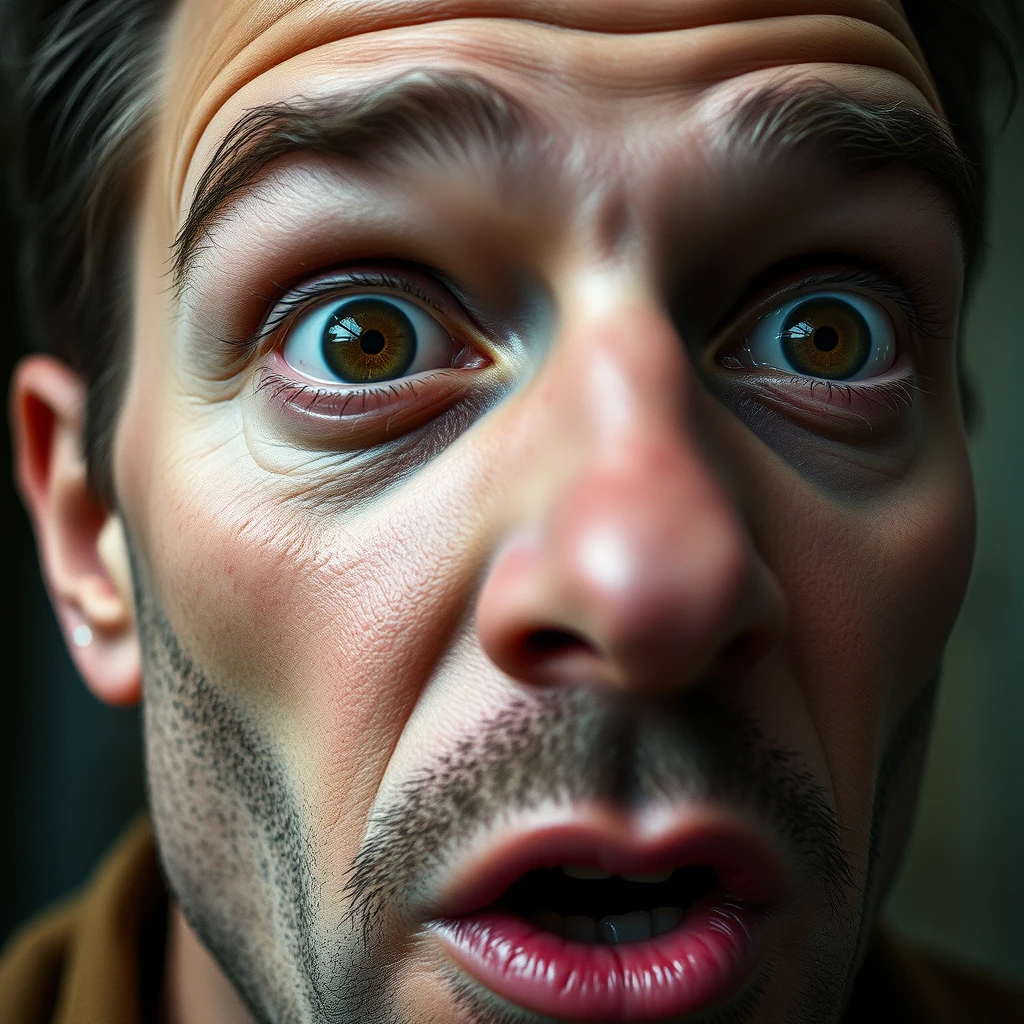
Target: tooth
587,873
650,878
626,927
580,929
665,919
548,920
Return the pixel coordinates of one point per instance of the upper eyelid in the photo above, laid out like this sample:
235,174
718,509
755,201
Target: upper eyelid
924,320
319,290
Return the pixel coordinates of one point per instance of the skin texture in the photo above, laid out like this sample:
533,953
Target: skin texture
332,625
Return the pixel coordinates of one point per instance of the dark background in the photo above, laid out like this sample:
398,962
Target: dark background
70,768
70,773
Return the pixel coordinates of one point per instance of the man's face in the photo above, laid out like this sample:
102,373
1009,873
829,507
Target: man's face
550,457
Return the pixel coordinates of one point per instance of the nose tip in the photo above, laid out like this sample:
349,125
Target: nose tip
642,580
528,629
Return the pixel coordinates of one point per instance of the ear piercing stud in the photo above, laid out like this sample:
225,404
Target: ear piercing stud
82,636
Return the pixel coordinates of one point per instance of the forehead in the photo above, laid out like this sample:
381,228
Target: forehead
226,56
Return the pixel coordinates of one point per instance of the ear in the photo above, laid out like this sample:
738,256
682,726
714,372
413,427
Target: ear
81,543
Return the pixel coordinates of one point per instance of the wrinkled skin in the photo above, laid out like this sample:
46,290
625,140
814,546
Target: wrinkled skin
324,614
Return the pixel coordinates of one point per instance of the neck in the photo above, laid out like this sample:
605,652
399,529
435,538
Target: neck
196,990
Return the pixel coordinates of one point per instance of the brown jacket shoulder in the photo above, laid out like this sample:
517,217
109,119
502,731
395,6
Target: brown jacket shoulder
907,986
96,958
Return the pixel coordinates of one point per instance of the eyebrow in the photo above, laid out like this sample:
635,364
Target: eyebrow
427,114
439,115
778,124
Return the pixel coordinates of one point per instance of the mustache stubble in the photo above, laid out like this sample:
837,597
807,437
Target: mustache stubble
568,744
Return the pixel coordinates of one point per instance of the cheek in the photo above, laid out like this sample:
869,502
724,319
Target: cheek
874,592
904,566
327,628
929,556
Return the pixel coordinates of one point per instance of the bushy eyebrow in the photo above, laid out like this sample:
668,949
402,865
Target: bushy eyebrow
436,115
780,124
426,114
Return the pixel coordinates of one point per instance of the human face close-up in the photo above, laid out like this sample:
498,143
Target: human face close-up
544,475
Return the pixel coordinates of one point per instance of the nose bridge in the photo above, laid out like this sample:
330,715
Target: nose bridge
627,375
641,517
626,455
632,548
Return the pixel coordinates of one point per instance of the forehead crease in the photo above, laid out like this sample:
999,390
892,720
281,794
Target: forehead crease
231,26
230,45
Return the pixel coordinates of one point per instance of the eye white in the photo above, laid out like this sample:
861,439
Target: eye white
764,344
303,348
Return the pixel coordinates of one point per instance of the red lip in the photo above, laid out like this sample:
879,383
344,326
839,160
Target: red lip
702,962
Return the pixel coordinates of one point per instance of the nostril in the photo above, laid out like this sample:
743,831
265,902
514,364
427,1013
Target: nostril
736,649
546,643
742,652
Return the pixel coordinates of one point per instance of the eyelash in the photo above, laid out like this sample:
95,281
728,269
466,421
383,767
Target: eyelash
926,320
298,299
291,391
890,395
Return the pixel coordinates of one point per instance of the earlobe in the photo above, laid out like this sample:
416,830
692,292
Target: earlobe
81,543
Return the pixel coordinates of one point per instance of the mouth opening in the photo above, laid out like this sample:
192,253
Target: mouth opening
588,905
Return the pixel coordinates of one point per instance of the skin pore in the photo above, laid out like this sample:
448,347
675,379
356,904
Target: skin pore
603,557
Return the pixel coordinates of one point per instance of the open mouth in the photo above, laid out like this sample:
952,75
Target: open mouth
590,905
580,924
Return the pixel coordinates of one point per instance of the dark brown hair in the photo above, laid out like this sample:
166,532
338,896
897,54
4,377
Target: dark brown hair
85,91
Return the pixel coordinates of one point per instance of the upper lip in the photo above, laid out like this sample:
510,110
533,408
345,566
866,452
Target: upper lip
748,864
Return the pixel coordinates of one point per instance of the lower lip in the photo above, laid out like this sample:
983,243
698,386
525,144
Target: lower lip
703,962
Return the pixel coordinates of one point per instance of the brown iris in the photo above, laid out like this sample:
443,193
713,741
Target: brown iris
826,337
369,340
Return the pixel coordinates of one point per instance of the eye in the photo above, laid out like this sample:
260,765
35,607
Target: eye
367,339
840,336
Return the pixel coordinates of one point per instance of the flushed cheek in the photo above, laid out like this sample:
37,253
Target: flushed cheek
333,626
273,604
411,614
239,581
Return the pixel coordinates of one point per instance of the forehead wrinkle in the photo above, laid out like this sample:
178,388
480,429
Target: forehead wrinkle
254,45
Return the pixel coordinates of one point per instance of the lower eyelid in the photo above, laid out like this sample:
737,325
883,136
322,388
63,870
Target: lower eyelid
350,418
858,409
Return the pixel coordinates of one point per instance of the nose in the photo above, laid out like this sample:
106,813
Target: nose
631,567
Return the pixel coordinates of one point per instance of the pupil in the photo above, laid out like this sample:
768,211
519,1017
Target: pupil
372,342
368,340
826,339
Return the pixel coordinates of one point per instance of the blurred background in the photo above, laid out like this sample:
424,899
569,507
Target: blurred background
962,886
70,769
